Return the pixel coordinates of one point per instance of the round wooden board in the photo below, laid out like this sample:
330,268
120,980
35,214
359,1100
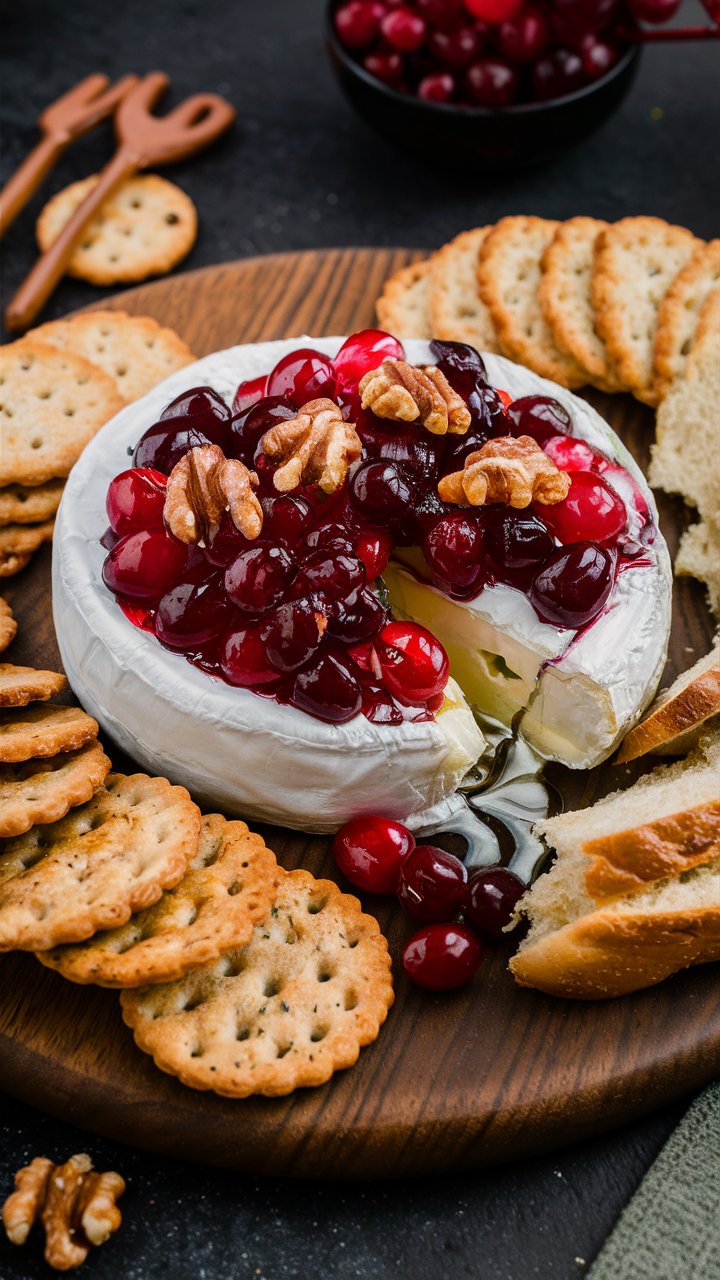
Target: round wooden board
489,1074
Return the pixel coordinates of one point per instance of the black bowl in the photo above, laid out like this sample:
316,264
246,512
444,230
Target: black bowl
473,138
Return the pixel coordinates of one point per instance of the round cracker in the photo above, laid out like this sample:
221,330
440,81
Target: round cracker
91,870
509,274
23,539
31,732
135,351
565,300
20,685
312,987
20,504
457,312
44,790
229,885
143,229
403,307
8,625
679,313
52,403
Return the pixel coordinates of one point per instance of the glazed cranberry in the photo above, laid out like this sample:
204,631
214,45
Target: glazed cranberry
202,408
438,87
286,519
386,67
358,22
524,37
370,852
382,492
573,584
442,957
598,56
163,445
135,500
412,452
301,376
461,364
432,884
225,543
491,898
455,48
292,634
243,660
440,13
454,551
374,550
654,11
632,495
357,618
144,565
403,29
192,613
557,74
329,690
362,352
569,454
575,18
414,664
248,394
493,10
331,537
591,512
335,577
248,428
109,539
378,706
259,578
516,545
539,417
492,82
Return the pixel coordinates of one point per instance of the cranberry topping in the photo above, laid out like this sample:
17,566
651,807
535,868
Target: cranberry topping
286,519
164,444
570,454
382,493
301,376
248,428
374,549
516,544
573,584
491,897
362,352
243,660
226,543
329,690
248,394
370,852
454,550
591,512
204,408
540,417
135,500
193,612
292,634
259,578
144,565
461,364
334,576
442,957
432,884
414,664
357,618
378,706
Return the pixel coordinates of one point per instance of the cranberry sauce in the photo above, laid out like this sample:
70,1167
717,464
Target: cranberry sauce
293,614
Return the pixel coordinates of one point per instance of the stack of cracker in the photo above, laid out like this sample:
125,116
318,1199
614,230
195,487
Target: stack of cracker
630,306
58,386
236,975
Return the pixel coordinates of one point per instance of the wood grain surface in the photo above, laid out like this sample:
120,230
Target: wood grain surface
488,1074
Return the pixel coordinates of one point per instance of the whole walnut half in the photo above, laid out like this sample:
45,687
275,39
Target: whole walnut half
75,1205
509,469
202,486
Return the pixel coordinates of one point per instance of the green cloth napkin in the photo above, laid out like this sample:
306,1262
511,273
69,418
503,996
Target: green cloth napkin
670,1230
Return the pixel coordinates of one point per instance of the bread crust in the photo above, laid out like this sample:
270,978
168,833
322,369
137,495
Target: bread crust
608,954
679,314
629,861
675,717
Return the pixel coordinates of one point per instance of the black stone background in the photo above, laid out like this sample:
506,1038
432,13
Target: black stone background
300,171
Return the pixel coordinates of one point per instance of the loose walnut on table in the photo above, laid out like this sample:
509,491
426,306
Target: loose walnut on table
75,1205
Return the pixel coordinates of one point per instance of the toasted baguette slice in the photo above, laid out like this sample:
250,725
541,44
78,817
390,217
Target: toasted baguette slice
675,720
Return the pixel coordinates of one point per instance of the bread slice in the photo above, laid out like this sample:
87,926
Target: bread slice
635,262
457,312
509,274
403,307
699,557
679,314
677,717
565,298
634,893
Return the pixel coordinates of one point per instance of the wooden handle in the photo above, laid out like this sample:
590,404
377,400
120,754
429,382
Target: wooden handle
26,180
44,276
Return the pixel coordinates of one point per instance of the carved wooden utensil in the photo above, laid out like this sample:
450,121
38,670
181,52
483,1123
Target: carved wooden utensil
66,119
143,140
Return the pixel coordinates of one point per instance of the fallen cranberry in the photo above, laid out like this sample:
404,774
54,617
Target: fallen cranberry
491,897
432,884
370,852
442,957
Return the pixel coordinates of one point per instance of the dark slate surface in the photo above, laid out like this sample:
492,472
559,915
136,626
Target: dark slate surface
301,171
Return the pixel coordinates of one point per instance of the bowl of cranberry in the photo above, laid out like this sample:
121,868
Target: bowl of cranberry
486,83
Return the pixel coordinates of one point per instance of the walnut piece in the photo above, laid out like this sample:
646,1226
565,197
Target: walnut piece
403,393
316,447
202,486
75,1205
509,469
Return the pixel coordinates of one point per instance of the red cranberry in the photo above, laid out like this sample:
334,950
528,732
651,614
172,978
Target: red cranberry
455,48
192,613
573,584
492,82
404,30
135,500
331,537
386,67
286,519
438,87
292,634
493,10
329,690
357,618
301,376
598,57
335,577
539,417
243,660
557,74
370,852
202,408
569,454
573,19
432,884
440,13
622,482
414,453
455,553
591,512
259,578
654,11
248,428
144,565
374,550
524,37
248,394
381,492
358,22
414,664
491,898
442,957
164,444
516,545
461,364
226,543
362,352
379,708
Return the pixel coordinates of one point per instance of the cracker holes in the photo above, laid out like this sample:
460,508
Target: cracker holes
272,987
36,443
234,965
317,1034
316,905
325,973
242,1033
197,1051
235,888
281,1050
193,1002
351,1000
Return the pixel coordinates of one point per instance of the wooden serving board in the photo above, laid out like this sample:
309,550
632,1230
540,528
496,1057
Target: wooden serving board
488,1074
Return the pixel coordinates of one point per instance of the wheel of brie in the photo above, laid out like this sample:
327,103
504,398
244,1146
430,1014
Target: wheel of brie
321,556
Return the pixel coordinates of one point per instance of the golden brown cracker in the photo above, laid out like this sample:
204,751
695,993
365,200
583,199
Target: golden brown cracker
20,504
565,300
8,625
44,790
20,685
679,314
29,732
457,312
403,307
19,541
